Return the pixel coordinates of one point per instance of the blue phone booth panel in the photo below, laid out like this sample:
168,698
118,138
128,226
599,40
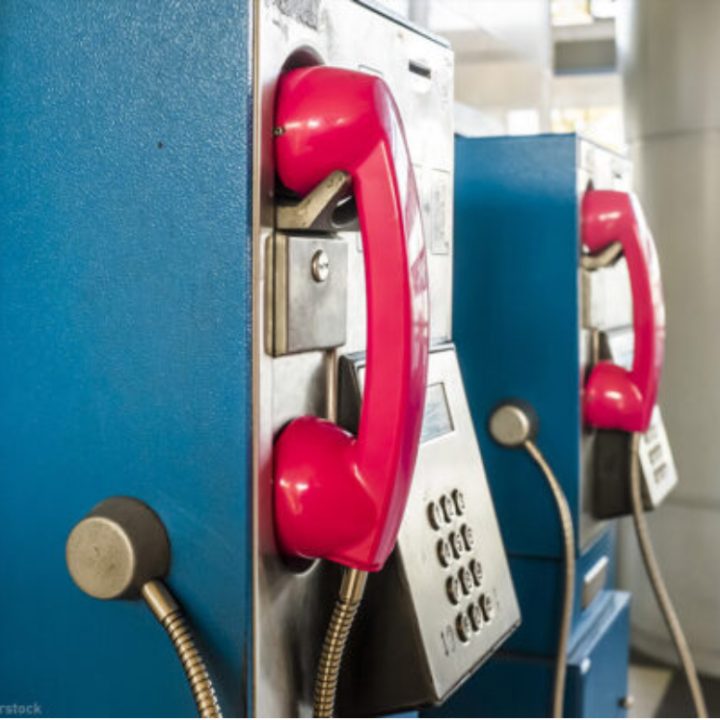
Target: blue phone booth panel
518,318
125,351
514,685
539,586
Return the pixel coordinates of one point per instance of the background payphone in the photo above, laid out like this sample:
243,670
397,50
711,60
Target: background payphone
520,283
566,281
158,344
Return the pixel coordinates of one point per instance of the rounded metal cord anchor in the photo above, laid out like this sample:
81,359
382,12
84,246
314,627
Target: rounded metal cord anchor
120,550
346,606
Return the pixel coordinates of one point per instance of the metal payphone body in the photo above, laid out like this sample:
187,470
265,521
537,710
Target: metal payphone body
166,311
419,71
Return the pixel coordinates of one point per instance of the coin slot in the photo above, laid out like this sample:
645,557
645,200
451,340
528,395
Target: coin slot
418,68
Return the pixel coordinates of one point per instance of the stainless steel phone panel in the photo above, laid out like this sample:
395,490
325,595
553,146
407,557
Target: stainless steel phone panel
447,600
288,627
602,169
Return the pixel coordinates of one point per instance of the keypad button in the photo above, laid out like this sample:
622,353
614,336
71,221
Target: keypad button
476,618
487,607
435,515
448,508
445,552
466,580
468,536
457,544
453,590
477,571
463,627
459,500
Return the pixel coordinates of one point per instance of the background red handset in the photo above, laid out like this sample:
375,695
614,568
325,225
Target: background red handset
616,398
338,496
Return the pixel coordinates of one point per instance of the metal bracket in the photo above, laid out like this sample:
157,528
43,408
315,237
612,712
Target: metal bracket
602,259
329,207
308,293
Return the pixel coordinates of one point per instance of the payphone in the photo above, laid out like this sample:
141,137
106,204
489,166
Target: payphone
347,322
565,279
272,191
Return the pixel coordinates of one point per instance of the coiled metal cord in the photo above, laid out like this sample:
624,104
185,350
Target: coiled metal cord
658,585
328,673
171,617
568,535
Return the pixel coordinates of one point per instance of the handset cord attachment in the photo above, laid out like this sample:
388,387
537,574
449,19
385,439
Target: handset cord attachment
351,592
568,535
163,605
658,585
121,551
513,425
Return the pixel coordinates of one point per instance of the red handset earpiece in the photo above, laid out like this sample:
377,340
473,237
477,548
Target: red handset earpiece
337,496
616,398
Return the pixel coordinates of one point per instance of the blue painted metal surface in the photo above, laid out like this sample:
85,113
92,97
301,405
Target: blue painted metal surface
516,318
517,328
125,338
521,685
539,586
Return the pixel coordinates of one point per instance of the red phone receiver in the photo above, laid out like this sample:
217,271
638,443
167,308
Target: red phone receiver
616,398
337,496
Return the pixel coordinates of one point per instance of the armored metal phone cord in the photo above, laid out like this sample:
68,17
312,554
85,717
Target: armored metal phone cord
346,606
658,585
171,617
568,534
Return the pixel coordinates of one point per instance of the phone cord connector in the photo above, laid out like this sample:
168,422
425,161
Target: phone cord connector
658,585
170,616
568,535
336,637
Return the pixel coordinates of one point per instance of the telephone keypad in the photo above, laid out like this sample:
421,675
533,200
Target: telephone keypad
476,617
465,579
453,589
468,536
448,507
436,515
459,499
463,626
444,552
457,544
477,571
487,607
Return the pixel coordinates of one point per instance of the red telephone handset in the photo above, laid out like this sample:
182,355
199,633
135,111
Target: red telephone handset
337,496
616,398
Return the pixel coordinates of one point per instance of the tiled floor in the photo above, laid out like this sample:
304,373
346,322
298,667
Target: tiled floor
662,692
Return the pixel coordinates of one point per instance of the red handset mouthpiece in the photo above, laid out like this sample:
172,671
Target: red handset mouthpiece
616,398
337,496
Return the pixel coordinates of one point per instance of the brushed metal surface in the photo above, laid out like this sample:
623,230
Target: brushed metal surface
409,614
288,600
308,313
603,301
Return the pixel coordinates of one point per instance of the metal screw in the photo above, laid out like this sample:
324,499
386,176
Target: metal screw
320,266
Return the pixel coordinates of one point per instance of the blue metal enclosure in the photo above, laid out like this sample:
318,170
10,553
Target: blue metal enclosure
518,325
516,318
125,339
